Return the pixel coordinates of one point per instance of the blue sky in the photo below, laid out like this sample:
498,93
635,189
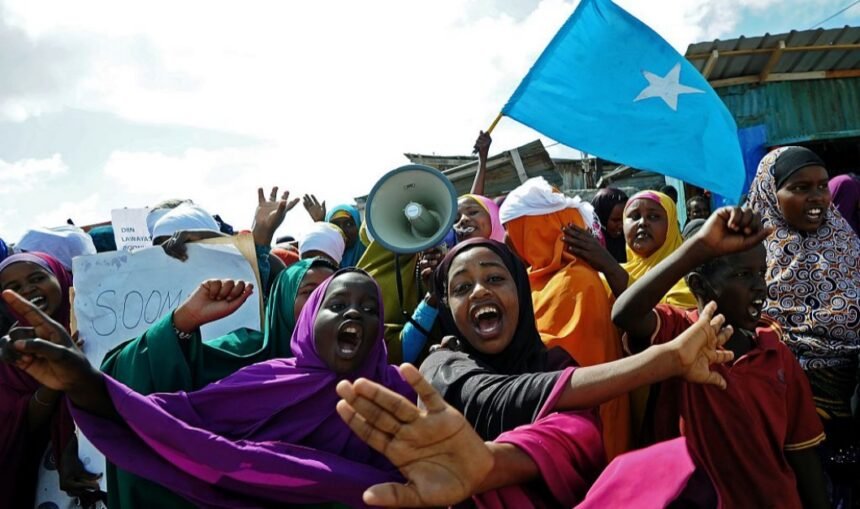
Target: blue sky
112,103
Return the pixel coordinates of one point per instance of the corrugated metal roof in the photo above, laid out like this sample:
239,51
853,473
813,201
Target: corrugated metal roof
830,53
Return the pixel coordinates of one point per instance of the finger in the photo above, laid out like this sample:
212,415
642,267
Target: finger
722,357
40,348
238,290
369,434
227,286
386,399
734,222
33,315
717,322
747,221
708,311
16,333
292,204
282,206
725,335
432,400
274,194
345,390
391,494
715,378
376,416
213,288
261,197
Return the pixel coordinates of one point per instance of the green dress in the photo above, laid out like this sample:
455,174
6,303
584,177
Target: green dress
157,362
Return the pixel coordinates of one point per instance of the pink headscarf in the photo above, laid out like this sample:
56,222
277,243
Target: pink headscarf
498,231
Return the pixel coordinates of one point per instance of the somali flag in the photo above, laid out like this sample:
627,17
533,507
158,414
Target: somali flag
610,86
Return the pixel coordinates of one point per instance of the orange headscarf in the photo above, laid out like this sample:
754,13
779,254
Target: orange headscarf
572,308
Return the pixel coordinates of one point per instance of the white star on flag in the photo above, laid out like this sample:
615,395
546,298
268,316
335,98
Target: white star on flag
666,87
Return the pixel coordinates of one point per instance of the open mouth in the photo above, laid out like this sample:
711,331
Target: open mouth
754,308
487,319
349,339
464,231
642,235
39,301
814,214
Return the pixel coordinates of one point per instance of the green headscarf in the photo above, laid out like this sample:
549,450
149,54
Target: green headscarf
156,362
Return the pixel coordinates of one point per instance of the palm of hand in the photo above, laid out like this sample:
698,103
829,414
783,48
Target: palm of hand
269,214
437,452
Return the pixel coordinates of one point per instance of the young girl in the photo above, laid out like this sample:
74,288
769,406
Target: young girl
267,434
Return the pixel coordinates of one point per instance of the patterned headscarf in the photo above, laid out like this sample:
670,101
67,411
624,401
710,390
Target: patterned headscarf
813,278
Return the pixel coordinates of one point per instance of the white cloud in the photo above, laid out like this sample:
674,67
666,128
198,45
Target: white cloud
88,210
28,174
339,89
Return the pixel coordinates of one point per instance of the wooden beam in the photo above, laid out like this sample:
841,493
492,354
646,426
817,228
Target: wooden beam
787,76
758,51
772,61
518,164
710,63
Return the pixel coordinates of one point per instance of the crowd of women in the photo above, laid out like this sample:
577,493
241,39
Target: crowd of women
569,353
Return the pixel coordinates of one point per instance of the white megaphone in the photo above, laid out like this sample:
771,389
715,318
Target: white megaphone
411,209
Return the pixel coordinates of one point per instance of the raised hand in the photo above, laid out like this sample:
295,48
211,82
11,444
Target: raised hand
482,146
176,245
731,230
45,350
700,346
212,300
315,209
270,214
583,244
427,263
440,454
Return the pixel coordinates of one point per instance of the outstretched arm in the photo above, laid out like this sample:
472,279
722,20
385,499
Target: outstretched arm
728,230
49,355
482,147
439,453
690,356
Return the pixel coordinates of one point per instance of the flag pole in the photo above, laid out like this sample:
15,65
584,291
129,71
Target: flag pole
493,125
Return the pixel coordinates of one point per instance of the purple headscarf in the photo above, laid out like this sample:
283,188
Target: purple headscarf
269,433
845,191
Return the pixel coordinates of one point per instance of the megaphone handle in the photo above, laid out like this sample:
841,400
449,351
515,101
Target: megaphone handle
399,279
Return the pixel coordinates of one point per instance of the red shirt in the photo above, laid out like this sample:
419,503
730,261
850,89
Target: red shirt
740,435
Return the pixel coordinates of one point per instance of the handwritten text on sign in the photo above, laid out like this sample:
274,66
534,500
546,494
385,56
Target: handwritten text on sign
119,295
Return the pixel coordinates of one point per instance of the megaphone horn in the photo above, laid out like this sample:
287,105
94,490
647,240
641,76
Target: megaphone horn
411,209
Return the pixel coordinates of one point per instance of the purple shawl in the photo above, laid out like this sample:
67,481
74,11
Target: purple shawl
845,191
268,433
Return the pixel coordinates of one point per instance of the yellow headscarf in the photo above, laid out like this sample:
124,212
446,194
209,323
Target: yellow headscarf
636,266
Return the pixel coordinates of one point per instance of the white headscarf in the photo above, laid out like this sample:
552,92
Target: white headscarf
326,238
63,243
535,197
184,217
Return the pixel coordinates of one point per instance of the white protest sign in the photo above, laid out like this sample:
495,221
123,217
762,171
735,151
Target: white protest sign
119,295
130,230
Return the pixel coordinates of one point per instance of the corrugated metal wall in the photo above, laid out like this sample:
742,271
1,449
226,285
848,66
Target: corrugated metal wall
797,111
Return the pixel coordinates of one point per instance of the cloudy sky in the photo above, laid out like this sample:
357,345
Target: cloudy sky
108,103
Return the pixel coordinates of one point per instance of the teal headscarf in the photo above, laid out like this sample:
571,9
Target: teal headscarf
351,255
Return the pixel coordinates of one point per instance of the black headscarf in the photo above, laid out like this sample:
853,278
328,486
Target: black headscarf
792,160
497,392
603,202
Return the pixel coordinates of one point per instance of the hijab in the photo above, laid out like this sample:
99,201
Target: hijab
636,266
604,202
845,192
813,278
63,243
352,255
269,433
103,238
185,216
490,207
325,238
58,270
17,446
4,250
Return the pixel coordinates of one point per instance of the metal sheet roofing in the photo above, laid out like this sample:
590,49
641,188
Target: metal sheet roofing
807,54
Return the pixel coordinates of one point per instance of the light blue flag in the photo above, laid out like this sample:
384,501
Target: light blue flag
610,86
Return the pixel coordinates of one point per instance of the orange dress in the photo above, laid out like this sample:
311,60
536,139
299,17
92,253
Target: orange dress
572,308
